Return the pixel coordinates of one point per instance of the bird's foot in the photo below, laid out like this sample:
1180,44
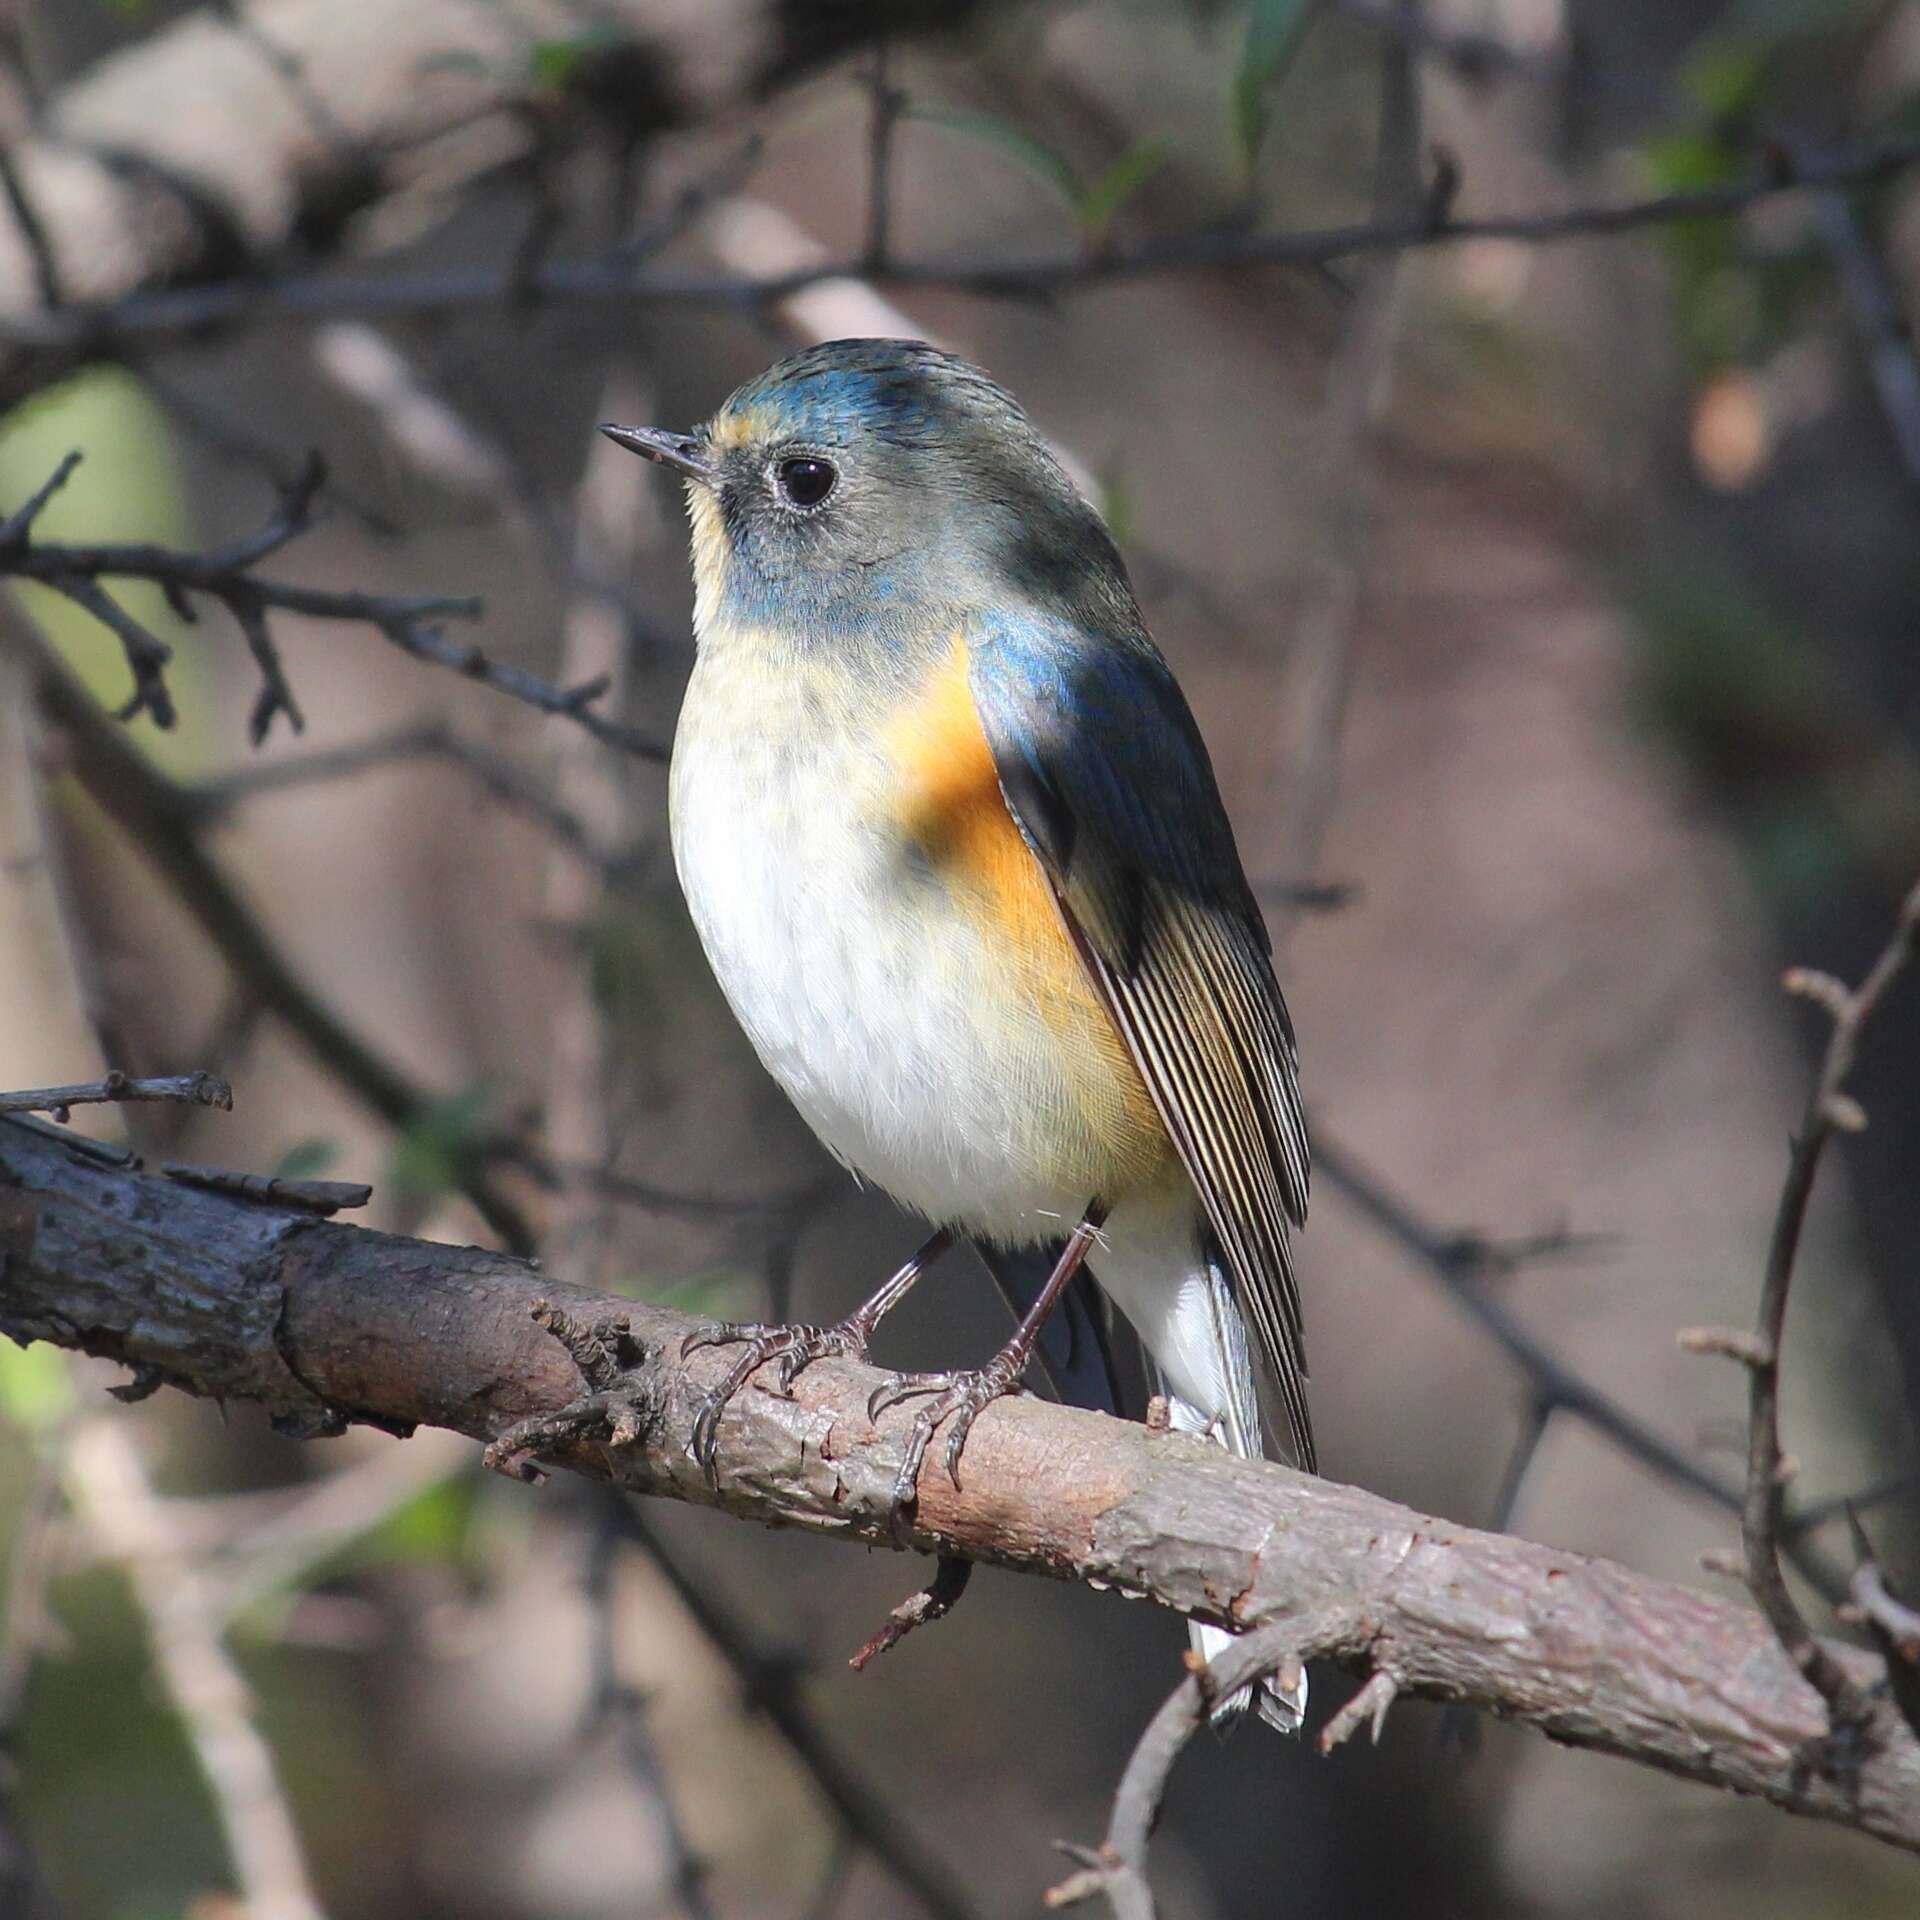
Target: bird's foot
961,1397
794,1348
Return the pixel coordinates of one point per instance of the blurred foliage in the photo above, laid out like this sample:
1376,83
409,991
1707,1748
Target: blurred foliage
1820,787
127,488
307,1160
436,1149
1094,202
36,1387
1276,31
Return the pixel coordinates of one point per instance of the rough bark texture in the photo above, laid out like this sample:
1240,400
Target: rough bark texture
325,1323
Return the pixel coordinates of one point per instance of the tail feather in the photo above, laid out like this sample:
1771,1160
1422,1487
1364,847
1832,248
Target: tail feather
1282,1708
1206,1329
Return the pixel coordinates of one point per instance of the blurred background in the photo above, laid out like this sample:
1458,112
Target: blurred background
1550,608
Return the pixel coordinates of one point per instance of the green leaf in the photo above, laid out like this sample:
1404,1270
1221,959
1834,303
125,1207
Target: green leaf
1045,162
1275,30
1726,75
439,1145
307,1160
555,64
35,1388
433,1525
1103,196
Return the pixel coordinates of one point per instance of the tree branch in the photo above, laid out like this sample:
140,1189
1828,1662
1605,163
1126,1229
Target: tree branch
189,1089
190,309
325,1323
409,621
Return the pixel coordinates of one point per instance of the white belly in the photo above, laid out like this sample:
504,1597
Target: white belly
878,1007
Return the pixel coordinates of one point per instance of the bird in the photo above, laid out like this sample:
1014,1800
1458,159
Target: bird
956,854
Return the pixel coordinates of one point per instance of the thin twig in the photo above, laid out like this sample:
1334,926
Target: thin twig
1321,656
610,277
190,1089
1117,1868
410,622
1829,1110
888,105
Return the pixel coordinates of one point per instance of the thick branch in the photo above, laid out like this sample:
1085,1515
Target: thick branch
324,1323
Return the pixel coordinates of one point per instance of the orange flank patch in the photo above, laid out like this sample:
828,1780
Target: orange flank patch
951,805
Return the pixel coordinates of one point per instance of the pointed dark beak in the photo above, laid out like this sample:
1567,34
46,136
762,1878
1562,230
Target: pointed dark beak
683,452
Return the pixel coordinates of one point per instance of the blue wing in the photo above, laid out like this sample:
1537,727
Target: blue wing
1105,772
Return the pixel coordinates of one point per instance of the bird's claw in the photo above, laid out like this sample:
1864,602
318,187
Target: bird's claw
961,1397
795,1348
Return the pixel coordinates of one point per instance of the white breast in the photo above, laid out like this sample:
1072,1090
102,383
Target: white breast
870,1000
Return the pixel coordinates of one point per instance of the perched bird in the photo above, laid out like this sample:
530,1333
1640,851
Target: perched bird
956,854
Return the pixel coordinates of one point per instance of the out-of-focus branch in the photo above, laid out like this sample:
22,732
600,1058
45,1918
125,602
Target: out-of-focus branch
188,1089
1466,1264
242,1300
1032,277
500,777
615,1706
770,1685
25,1630
162,823
1871,298
111,1494
1321,653
326,119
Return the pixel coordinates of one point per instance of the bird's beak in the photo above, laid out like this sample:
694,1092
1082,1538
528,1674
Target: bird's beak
683,452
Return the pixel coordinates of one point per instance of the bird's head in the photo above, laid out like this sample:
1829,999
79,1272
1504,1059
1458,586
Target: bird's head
867,483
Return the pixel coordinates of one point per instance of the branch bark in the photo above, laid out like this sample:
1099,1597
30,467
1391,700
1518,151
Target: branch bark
325,1323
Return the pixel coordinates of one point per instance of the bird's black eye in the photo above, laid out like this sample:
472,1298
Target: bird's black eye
805,482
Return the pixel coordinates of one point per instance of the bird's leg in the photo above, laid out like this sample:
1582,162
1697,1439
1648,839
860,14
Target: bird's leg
795,1347
965,1395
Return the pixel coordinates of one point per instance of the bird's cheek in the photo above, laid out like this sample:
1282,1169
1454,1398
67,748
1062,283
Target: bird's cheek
710,555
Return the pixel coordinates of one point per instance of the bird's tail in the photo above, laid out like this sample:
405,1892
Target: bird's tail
1181,1304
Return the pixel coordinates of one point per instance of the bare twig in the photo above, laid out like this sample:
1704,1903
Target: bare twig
190,1089
1871,298
25,1630
1829,1110
888,105
1893,1625
1117,1868
410,622
1368,1708
934,1601
611,277
110,1491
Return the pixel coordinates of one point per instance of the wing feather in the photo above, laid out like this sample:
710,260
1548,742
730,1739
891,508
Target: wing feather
1104,771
